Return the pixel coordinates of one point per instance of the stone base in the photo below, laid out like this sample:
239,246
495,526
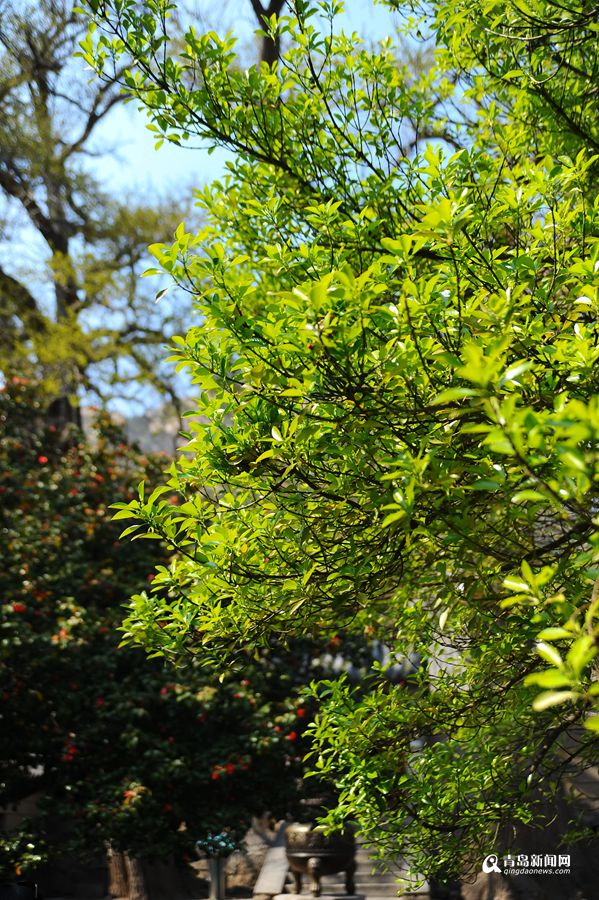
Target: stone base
340,895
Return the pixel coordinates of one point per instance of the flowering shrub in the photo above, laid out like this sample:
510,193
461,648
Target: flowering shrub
123,749
17,852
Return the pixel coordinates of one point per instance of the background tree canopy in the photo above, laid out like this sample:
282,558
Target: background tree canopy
74,312
397,366
120,751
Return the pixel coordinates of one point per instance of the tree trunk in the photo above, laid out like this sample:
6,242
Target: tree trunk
270,48
117,874
137,881
62,412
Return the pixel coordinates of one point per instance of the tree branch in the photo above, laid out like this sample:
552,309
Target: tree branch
15,296
14,186
95,115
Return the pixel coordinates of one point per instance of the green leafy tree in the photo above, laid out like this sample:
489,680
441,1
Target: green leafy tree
398,419
119,748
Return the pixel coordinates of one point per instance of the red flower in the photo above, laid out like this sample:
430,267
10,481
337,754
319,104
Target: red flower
277,729
292,736
214,776
42,459
245,682
100,702
70,752
19,607
170,739
230,768
300,713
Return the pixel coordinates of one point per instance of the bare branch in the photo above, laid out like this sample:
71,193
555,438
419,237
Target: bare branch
95,115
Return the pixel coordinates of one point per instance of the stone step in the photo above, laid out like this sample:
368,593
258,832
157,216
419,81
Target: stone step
370,888
362,879
371,872
363,887
369,865
370,892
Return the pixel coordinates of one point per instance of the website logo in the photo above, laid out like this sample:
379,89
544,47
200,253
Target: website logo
491,863
527,864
